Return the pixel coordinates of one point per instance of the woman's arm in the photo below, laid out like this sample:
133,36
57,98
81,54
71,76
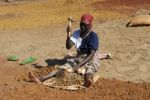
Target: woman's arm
87,59
69,42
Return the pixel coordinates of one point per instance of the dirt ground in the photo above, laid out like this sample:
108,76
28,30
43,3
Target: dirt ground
33,32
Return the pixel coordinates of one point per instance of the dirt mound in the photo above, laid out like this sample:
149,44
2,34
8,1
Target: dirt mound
67,80
102,90
64,80
122,6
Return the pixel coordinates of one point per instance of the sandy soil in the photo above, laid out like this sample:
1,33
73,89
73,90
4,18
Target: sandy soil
125,77
123,6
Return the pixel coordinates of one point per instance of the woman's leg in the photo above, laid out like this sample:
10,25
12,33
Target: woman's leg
39,80
33,78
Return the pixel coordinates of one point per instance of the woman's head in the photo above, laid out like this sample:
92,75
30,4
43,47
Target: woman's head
86,23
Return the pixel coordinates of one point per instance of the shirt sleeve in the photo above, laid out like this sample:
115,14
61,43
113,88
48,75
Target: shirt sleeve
75,36
73,39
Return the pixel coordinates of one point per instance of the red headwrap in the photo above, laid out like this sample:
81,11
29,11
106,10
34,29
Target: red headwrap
87,18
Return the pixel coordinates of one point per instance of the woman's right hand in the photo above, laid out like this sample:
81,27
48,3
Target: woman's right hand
68,29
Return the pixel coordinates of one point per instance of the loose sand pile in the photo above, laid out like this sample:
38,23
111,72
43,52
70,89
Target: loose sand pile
62,78
68,79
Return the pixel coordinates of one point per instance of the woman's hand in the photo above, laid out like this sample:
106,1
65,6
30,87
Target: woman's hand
76,69
68,30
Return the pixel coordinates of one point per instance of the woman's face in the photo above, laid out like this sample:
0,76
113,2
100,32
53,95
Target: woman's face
85,28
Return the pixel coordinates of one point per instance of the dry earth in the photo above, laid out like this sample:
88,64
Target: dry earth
33,29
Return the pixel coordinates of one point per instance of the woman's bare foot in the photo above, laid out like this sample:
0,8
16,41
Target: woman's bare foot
33,78
105,56
88,80
109,56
